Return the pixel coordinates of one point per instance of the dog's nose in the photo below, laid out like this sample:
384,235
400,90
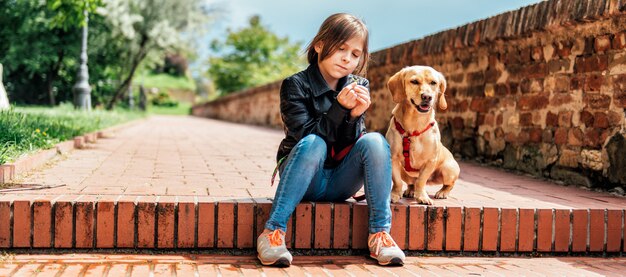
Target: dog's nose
426,98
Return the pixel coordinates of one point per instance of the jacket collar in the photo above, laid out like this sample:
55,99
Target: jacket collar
317,82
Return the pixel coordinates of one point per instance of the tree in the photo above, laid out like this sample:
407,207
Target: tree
252,56
42,42
34,51
69,14
148,29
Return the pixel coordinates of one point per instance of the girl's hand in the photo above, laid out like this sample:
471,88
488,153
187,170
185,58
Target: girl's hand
363,102
347,97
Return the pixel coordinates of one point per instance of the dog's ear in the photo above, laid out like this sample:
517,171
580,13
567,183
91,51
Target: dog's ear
396,86
442,88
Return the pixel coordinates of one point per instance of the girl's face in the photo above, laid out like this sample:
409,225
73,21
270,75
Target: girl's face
342,62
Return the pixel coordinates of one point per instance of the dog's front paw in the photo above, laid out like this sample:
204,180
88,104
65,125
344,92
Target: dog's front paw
424,199
409,193
442,194
395,197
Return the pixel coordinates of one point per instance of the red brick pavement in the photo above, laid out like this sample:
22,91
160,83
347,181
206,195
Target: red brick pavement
213,265
187,156
176,182
168,156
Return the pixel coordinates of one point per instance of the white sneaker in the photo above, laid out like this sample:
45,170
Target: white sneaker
272,250
384,249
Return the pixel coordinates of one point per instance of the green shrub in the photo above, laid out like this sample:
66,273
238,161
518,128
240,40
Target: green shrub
164,100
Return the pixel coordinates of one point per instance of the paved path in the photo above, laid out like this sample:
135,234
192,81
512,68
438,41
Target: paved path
211,265
169,156
187,156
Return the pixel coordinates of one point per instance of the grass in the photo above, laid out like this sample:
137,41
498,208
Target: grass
166,81
27,129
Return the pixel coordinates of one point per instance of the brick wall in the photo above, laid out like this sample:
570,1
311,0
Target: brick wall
541,90
258,106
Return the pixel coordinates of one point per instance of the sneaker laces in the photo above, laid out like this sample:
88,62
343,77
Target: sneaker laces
276,237
380,240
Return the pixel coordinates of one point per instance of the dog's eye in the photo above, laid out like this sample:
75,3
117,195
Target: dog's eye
433,83
415,82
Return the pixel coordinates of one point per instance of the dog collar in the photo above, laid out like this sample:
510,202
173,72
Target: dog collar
406,142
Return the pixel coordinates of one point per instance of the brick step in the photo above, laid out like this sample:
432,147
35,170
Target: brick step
86,222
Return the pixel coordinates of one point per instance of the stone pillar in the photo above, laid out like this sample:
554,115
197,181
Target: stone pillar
4,100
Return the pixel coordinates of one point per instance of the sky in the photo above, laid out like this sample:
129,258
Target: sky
390,22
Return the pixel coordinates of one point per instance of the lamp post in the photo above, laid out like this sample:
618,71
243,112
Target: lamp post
82,90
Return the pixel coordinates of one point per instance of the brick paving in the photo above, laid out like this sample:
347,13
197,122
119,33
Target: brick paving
213,265
194,183
180,156
187,156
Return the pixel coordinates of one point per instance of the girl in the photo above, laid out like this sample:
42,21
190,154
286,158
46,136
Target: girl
326,154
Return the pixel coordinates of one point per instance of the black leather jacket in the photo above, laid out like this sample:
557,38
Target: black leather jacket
309,106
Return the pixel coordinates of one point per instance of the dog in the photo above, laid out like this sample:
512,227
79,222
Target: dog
417,155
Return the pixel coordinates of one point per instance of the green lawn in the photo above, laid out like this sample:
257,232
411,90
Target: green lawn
166,81
183,108
27,129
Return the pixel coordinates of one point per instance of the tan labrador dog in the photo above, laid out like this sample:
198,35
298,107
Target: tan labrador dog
417,155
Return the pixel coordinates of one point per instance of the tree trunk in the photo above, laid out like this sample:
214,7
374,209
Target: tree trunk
124,86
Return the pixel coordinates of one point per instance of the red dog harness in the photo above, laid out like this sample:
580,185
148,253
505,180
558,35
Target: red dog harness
406,142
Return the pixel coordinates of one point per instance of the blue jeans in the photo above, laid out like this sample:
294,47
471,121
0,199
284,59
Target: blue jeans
304,178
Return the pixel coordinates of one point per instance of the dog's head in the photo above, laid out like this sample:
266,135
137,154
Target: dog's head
421,86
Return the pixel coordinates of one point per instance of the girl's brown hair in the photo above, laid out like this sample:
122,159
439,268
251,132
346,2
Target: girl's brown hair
336,30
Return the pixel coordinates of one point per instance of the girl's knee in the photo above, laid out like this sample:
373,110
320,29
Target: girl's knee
374,145
314,147
373,140
312,141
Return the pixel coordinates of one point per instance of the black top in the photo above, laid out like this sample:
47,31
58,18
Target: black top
309,106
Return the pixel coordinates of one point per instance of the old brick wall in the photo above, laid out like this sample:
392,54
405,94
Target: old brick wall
541,90
257,106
